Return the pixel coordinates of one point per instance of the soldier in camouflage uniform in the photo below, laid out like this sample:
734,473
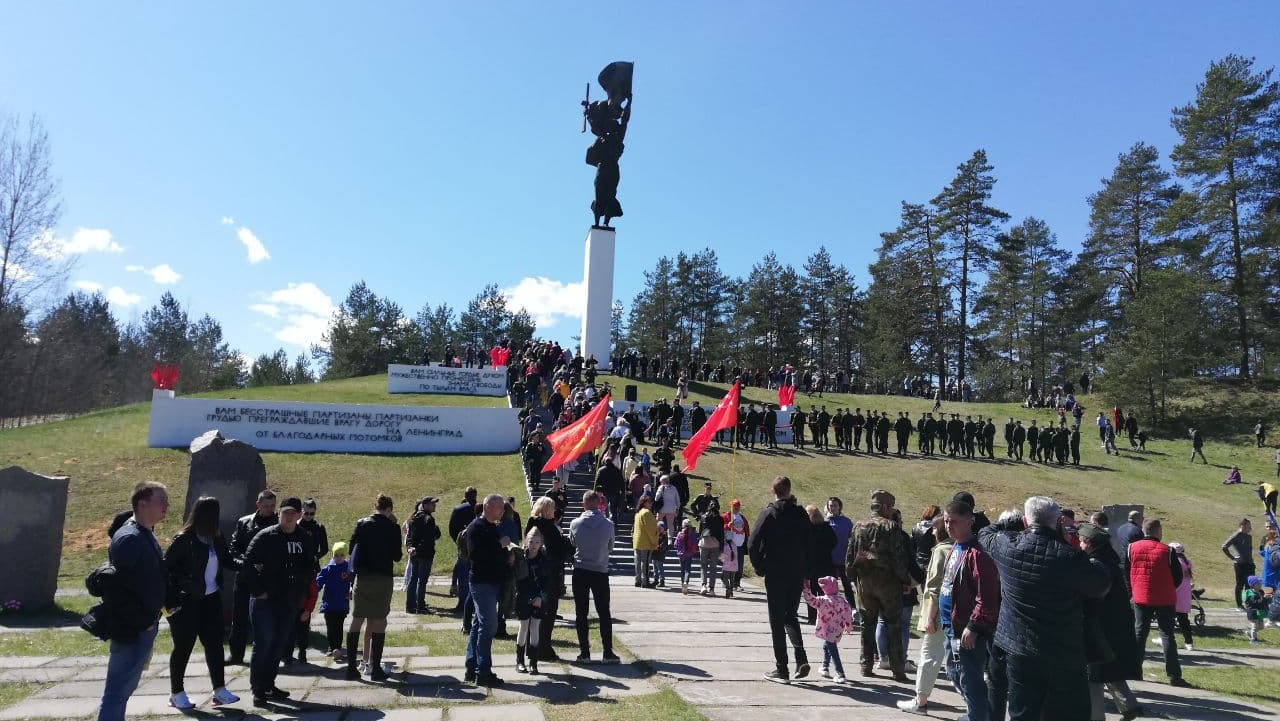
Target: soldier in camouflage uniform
876,562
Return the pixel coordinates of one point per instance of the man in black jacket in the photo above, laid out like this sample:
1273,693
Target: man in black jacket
421,543
1044,583
135,598
771,426
779,550
490,559
278,568
461,515
1019,437
264,516
1008,439
375,548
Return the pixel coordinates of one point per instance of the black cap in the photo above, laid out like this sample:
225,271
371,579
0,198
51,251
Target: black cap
429,499
292,503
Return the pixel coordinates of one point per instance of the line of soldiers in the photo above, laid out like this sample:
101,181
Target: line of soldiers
966,438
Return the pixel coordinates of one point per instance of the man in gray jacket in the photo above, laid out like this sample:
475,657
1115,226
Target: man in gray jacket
592,537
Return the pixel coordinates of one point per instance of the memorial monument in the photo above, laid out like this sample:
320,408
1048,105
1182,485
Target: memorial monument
607,119
32,515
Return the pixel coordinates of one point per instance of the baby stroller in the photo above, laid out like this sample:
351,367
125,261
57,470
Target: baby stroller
1197,608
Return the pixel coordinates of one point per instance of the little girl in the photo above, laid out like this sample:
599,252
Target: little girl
1182,596
835,618
686,551
728,567
531,593
335,582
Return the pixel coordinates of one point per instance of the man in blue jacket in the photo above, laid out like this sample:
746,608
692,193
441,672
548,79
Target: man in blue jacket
136,597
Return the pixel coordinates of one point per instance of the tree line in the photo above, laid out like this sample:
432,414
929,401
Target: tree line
1178,276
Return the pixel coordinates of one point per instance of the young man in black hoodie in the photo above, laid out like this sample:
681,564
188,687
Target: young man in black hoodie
278,566
779,551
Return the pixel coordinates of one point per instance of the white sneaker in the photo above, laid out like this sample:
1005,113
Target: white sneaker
1188,647
825,672
839,678
221,696
180,701
1158,641
883,665
912,706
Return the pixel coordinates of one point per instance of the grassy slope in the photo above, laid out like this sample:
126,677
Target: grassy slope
105,453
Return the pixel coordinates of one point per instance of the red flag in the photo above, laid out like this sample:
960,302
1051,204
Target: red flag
786,395
582,436
725,416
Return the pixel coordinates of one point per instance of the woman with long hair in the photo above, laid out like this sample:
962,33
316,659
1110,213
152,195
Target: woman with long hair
558,551
194,563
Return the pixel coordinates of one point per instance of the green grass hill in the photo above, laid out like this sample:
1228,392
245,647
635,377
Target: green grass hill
105,453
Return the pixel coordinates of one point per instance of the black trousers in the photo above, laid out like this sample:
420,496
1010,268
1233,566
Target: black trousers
334,623
998,682
857,438
1164,621
1243,572
1040,692
771,436
783,596
240,629
588,585
198,618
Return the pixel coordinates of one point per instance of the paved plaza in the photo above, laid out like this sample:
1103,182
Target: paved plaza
713,652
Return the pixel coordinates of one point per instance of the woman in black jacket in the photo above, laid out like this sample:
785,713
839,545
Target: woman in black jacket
1110,646
194,563
822,541
710,541
558,552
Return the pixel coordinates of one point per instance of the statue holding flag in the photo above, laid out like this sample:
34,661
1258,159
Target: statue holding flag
608,120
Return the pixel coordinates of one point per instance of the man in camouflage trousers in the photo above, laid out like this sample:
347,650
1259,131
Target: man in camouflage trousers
876,562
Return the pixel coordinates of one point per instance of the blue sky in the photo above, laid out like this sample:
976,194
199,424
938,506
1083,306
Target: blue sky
256,159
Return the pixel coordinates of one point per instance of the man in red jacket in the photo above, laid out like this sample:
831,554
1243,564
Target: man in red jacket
969,608
1154,574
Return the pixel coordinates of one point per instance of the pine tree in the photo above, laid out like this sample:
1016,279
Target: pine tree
1230,142
970,225
1123,241
918,240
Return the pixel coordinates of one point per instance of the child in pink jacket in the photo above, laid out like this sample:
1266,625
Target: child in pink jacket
835,618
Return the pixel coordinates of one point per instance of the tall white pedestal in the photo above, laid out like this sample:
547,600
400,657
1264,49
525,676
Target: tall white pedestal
597,276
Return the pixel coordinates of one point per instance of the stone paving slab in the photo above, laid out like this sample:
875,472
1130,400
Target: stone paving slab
507,712
63,708
7,662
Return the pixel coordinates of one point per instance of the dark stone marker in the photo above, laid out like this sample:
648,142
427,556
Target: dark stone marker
33,511
231,471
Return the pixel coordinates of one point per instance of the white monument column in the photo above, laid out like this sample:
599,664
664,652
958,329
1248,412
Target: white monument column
597,276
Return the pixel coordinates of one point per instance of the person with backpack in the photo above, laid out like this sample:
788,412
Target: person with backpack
877,563
194,563
710,539
666,503
132,601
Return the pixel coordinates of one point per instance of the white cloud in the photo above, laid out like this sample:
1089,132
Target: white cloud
84,240
547,300
305,310
118,296
88,286
19,274
257,251
162,274
228,220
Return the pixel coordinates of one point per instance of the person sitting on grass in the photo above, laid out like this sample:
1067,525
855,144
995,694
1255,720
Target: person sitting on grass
1233,477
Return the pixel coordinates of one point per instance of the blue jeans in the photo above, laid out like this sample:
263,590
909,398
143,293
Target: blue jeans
831,657
273,623
968,665
480,643
686,570
882,633
124,671
415,592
